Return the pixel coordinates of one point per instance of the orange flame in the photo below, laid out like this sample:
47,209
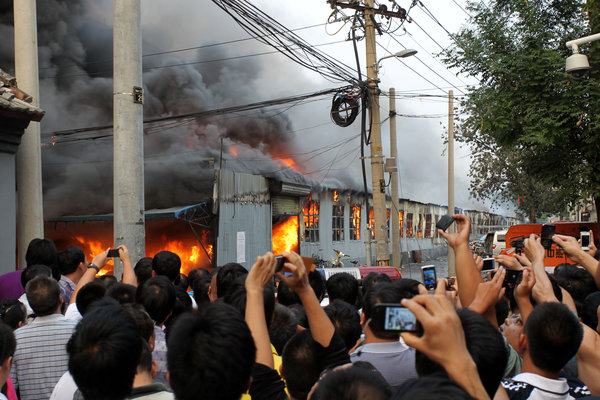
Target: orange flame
372,222
93,247
355,222
233,150
311,213
285,236
401,223
336,196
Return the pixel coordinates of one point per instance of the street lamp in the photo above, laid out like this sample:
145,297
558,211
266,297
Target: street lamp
401,54
577,64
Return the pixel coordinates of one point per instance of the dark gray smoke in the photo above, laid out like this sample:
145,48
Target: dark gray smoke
75,52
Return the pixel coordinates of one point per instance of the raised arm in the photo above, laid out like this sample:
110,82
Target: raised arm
573,249
321,328
487,295
467,274
98,262
443,341
129,276
261,273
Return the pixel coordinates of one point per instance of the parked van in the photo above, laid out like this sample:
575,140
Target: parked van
495,243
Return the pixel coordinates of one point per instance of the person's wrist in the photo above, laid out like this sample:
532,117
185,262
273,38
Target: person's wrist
93,266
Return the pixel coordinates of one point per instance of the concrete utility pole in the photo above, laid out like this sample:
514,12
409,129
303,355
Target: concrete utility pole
30,214
382,252
452,228
396,257
128,167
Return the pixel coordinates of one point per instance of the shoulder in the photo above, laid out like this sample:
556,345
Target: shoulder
516,389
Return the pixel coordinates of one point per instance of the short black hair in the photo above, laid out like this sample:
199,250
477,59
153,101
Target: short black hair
108,280
236,296
577,281
89,293
354,383
122,292
431,387
183,304
8,344
143,270
210,354
69,259
226,275
317,282
166,263
13,312
182,281
502,310
200,287
553,335
286,296
283,327
343,286
485,345
43,295
32,271
301,367
346,321
157,295
145,363
373,278
383,293
144,323
589,312
197,273
105,348
42,251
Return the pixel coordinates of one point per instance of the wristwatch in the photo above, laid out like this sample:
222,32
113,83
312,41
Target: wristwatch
92,265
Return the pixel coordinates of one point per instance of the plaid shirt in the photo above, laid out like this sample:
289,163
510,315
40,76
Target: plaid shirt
41,355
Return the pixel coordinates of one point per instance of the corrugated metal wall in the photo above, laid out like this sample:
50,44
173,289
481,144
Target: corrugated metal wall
244,210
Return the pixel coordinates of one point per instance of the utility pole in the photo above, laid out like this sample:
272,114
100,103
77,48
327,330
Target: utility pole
30,214
396,257
452,228
382,252
128,167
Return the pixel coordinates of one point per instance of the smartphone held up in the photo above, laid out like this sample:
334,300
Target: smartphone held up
393,318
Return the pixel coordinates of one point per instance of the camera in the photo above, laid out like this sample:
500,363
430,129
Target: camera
547,233
280,261
393,318
429,276
488,264
444,222
585,240
577,65
114,253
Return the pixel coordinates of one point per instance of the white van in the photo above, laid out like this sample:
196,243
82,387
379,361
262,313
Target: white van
495,243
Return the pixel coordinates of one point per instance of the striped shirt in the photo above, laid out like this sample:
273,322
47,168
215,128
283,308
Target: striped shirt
41,355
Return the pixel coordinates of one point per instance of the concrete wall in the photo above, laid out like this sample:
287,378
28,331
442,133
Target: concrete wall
8,213
244,229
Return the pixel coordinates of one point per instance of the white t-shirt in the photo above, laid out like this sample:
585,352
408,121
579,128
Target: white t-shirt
65,388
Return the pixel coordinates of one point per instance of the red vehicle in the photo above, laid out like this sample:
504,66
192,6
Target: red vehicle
554,255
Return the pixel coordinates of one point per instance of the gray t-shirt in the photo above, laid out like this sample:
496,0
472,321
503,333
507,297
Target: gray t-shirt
394,360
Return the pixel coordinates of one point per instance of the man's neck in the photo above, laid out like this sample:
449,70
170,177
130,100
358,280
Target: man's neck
143,379
74,276
530,367
371,338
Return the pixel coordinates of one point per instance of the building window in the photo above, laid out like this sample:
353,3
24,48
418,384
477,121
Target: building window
372,222
355,222
409,225
311,221
420,226
427,225
401,223
337,222
387,215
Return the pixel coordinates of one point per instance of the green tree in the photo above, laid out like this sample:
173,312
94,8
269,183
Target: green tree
533,129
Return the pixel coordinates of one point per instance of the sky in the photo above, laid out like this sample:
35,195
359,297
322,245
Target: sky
198,58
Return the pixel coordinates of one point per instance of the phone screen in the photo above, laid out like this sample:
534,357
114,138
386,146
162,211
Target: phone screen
429,277
395,318
488,264
585,240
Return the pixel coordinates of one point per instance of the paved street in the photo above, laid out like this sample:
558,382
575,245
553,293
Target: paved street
413,270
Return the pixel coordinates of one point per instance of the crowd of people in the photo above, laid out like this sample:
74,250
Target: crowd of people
231,333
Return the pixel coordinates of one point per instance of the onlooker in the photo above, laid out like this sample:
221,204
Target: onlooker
144,386
43,251
7,349
143,270
41,357
166,263
383,349
28,274
343,286
157,296
13,313
72,266
104,352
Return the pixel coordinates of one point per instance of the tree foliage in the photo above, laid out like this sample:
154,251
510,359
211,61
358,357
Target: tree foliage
532,129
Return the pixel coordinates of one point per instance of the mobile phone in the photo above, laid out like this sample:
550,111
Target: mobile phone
585,240
444,222
280,261
513,276
547,233
113,253
393,318
429,276
488,264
